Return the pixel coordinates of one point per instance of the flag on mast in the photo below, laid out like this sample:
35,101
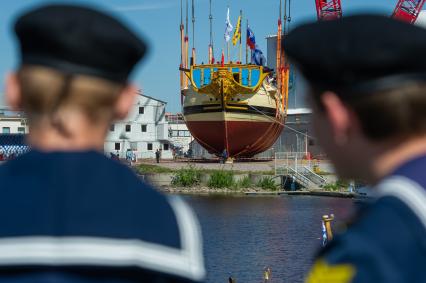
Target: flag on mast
324,235
229,28
237,33
257,57
222,61
251,40
210,54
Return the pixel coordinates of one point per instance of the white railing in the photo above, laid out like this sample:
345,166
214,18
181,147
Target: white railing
295,165
314,177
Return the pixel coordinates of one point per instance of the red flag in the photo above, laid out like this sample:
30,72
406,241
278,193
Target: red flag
223,58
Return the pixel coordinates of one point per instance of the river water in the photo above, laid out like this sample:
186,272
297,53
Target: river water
244,234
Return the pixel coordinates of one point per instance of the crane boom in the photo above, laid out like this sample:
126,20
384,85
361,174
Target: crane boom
408,10
328,9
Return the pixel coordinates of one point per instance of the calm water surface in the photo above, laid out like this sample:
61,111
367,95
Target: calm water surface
242,235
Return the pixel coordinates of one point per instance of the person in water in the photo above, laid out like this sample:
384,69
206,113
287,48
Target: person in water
366,78
69,213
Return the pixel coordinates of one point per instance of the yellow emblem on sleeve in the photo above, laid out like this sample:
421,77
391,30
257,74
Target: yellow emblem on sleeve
322,272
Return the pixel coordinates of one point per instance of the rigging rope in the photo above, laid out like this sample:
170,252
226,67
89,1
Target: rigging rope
285,16
282,124
289,15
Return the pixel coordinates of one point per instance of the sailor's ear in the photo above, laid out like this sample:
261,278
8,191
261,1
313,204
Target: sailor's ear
13,92
338,116
125,101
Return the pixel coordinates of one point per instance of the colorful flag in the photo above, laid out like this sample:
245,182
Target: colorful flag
210,54
223,58
237,33
228,29
257,57
251,40
324,235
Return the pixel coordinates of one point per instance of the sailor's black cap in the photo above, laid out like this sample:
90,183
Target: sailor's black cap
360,53
78,40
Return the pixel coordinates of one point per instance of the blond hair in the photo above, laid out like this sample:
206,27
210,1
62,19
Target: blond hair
46,92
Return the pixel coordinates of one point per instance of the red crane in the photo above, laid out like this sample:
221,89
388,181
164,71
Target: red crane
329,9
408,10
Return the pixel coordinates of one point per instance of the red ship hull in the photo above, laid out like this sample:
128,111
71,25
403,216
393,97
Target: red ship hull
239,138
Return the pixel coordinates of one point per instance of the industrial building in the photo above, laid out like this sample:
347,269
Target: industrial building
179,135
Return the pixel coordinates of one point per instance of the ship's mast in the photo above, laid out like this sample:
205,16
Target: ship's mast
186,53
186,38
228,45
285,68
211,52
182,49
193,61
278,68
246,42
181,28
288,18
241,47
285,15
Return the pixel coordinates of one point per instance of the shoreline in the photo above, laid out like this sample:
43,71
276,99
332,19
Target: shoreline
203,191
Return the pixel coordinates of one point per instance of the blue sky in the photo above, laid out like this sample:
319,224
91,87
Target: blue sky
158,21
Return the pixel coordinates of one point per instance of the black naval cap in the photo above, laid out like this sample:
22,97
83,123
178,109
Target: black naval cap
78,40
361,53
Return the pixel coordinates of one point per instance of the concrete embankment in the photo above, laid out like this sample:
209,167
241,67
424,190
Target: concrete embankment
165,179
201,190
319,193
249,183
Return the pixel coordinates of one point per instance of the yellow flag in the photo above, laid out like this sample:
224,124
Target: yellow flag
237,33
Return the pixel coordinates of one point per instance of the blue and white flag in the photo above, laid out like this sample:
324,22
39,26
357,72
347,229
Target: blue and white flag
257,57
324,235
229,27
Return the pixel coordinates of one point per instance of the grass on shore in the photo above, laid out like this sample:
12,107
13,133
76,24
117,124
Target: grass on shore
267,184
221,179
190,176
150,168
337,186
186,177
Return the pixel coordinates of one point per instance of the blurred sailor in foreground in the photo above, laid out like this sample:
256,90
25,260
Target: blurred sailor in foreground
67,212
367,79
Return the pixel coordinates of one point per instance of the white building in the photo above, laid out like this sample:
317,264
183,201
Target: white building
179,135
144,130
12,122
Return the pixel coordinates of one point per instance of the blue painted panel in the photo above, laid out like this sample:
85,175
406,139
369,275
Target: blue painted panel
255,76
196,76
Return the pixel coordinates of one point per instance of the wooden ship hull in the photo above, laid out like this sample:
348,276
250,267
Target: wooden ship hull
233,107
228,113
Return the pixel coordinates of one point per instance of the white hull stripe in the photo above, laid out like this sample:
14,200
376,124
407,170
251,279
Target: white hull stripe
408,191
187,263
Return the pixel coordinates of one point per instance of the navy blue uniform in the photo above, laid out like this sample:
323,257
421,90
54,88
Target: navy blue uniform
82,217
387,243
